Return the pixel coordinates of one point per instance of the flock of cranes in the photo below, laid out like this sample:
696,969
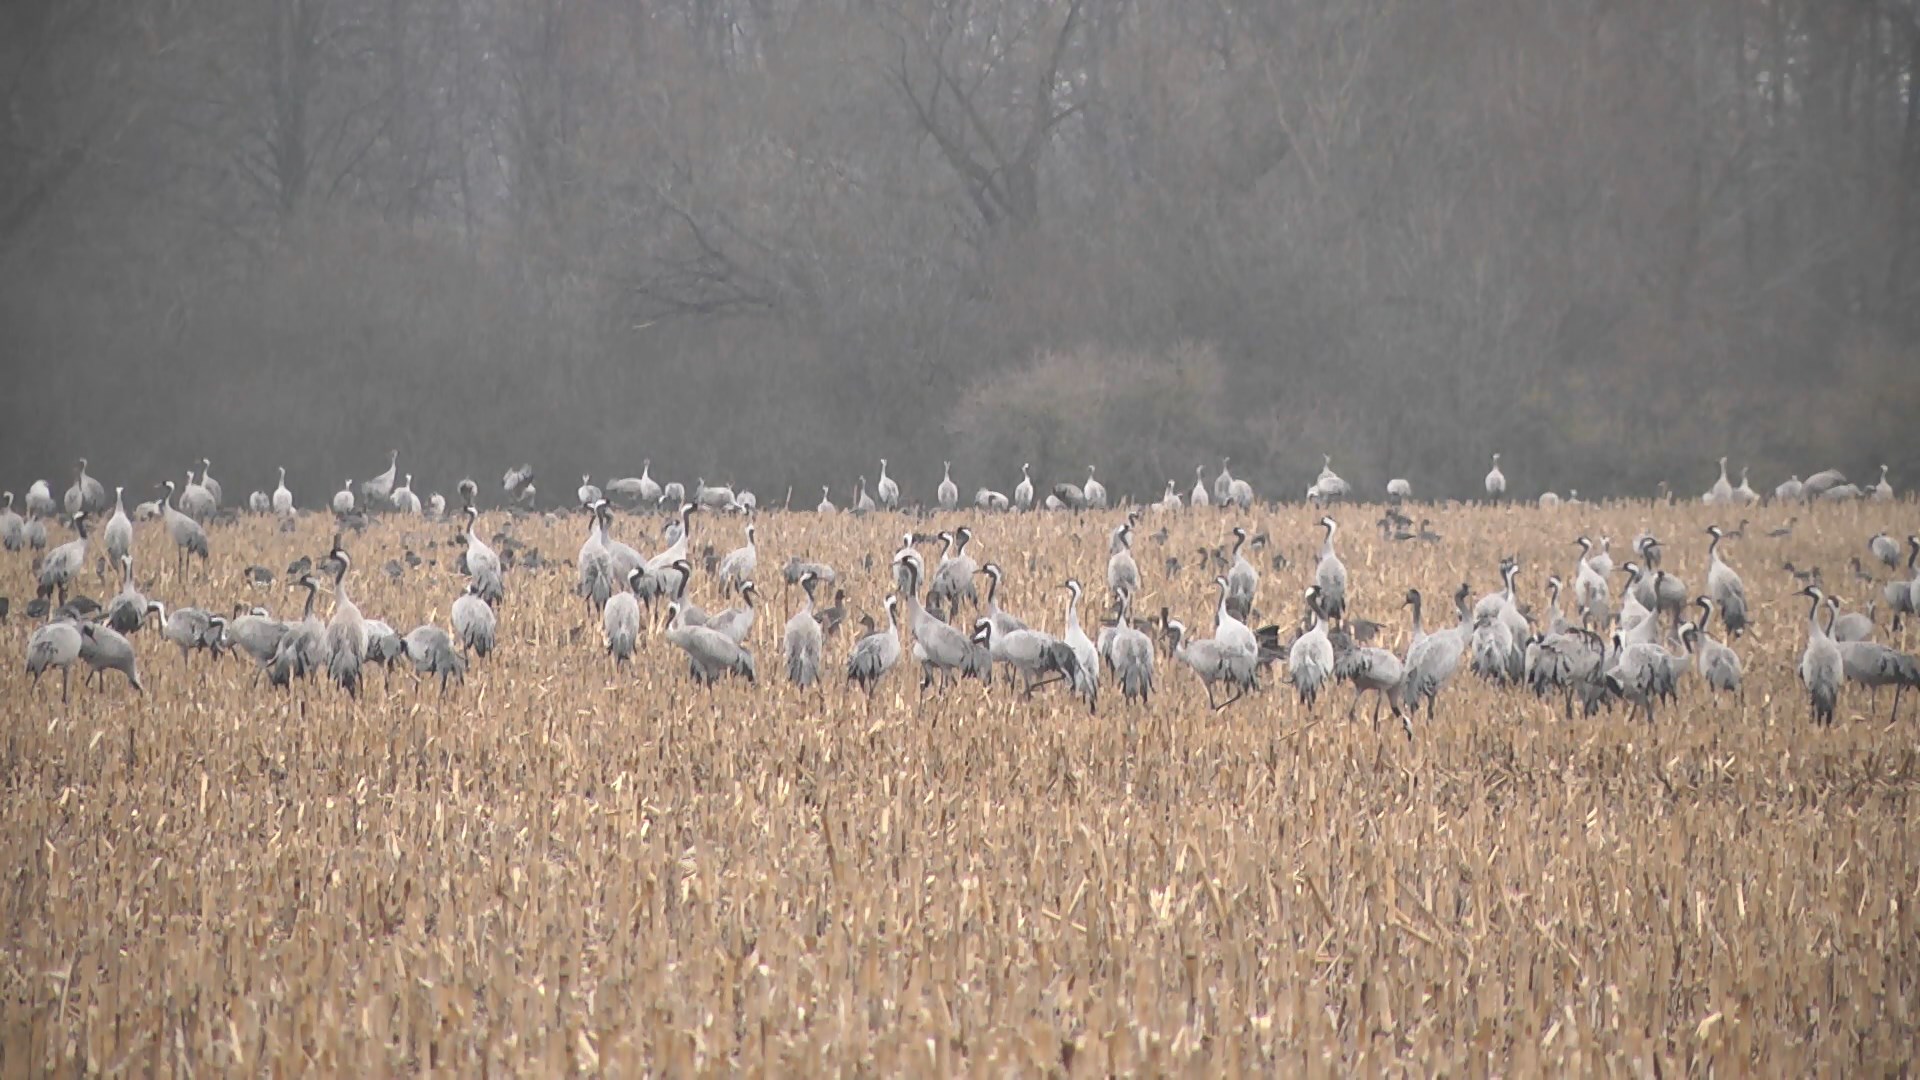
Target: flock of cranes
1593,646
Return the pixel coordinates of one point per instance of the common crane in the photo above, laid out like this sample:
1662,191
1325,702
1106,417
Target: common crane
1822,668
119,531
283,500
1128,652
57,644
1721,493
1214,661
937,646
404,500
474,625
735,623
1123,574
347,630
13,527
949,492
105,649
379,490
953,577
1371,670
877,653
887,488
1086,669
620,619
63,563
196,501
1496,485
1433,658
740,563
1310,660
189,628
1718,665
1095,492
1724,584
803,638
710,654
86,493
128,609
1331,575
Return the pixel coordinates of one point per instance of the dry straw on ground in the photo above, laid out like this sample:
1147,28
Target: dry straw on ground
562,867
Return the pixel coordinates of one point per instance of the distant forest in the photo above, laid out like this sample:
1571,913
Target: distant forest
771,241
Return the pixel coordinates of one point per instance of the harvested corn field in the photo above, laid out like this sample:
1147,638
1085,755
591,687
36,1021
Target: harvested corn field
564,863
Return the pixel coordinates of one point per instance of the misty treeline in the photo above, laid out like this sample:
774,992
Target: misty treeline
770,241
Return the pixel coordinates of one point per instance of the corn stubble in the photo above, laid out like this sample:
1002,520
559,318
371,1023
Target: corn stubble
564,867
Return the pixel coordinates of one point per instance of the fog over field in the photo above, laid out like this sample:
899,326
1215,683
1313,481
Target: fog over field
768,242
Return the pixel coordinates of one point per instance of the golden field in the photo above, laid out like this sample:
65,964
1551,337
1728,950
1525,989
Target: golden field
562,867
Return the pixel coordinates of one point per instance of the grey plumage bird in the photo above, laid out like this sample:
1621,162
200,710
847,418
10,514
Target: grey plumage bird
1822,667
1637,673
1331,575
1432,659
1310,660
474,624
1496,481
1003,623
302,649
378,491
876,653
13,527
55,645
1883,548
105,649
803,638
86,493
710,654
430,650
735,623
65,562
739,565
189,538
128,609
594,569
1213,662
1129,655
346,630
1873,665
1725,586
1040,658
620,619
1023,491
1086,670
1243,581
1123,573
953,578
118,535
189,628
1564,662
948,493
1718,665
1371,670
1095,492
939,648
